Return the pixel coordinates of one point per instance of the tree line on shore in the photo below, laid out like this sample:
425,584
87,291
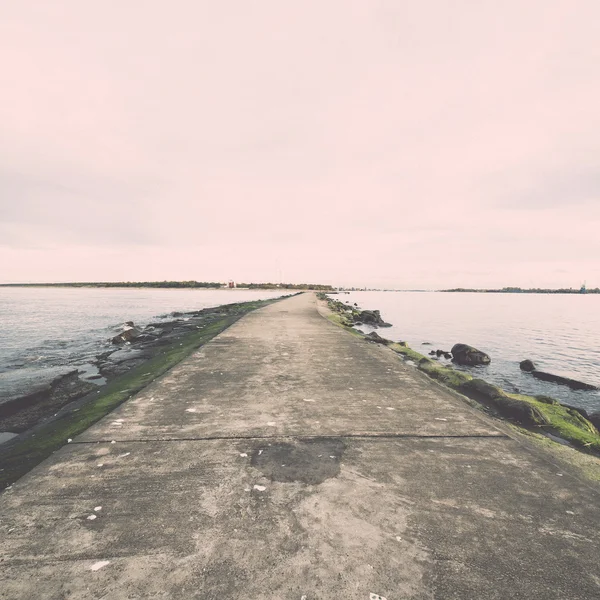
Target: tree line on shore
518,290
174,284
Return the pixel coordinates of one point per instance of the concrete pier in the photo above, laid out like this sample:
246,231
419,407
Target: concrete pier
288,459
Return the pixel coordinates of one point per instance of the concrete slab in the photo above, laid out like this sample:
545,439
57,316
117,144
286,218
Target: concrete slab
288,512
286,371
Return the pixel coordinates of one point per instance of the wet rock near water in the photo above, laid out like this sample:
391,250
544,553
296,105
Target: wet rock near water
572,383
372,318
463,354
439,353
19,414
353,316
375,337
129,334
529,367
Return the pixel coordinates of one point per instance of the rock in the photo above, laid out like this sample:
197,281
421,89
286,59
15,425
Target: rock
128,335
527,365
447,355
426,344
518,410
439,353
572,383
373,318
432,353
594,419
463,354
21,414
375,337
572,408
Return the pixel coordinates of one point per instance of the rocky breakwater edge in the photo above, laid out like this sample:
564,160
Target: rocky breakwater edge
539,414
53,414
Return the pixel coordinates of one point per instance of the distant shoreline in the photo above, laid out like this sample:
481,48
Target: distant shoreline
527,291
178,285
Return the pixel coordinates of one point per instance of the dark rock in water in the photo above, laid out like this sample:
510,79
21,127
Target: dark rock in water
439,352
463,354
375,337
572,383
527,365
432,353
447,355
373,318
127,336
594,419
511,408
426,344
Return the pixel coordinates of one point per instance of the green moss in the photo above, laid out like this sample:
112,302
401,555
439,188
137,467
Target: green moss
23,455
445,375
408,353
565,423
342,322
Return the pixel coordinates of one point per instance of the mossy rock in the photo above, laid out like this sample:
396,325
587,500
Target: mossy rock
515,409
407,353
567,423
546,400
445,375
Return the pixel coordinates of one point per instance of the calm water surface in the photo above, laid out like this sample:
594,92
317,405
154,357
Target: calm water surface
47,331
560,333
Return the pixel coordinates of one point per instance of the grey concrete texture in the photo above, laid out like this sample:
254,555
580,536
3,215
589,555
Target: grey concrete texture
289,459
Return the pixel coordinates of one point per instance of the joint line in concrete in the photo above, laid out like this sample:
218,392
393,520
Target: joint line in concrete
300,436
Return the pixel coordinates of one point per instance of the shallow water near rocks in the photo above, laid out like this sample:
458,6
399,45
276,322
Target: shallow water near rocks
559,332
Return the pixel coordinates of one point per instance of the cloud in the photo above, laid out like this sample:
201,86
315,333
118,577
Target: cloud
409,143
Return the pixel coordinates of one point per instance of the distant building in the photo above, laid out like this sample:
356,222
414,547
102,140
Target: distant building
231,285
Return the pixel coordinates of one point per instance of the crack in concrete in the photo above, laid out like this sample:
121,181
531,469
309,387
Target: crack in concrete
302,437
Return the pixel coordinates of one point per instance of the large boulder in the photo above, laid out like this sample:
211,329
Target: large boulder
375,337
527,365
511,408
373,318
463,354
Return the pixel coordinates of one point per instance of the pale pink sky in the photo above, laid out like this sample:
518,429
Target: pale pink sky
377,142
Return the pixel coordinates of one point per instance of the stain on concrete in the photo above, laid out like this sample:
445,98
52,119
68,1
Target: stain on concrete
308,461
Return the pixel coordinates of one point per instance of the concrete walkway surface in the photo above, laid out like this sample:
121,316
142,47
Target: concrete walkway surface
288,459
